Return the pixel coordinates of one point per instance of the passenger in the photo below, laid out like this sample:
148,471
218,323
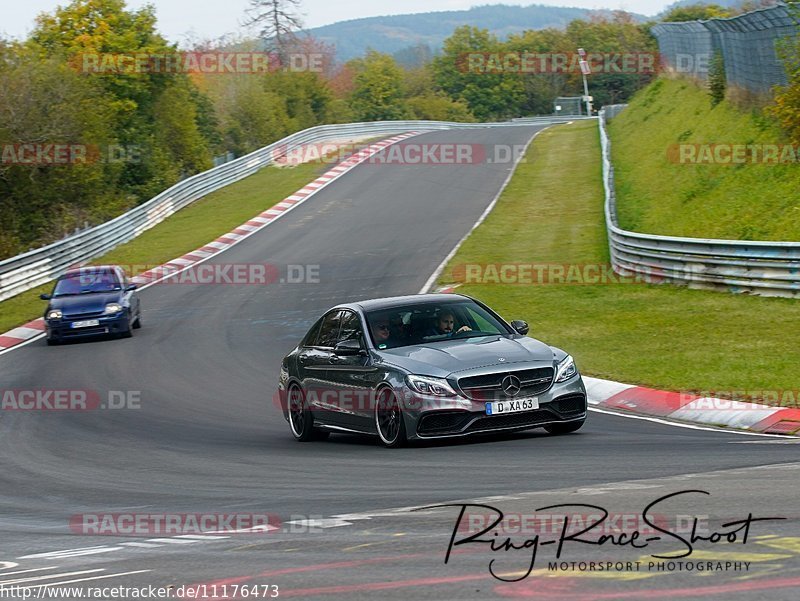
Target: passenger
381,332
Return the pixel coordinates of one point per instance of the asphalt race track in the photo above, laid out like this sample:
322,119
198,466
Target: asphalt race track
208,438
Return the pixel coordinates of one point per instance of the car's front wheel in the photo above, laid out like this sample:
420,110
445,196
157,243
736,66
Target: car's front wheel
389,419
565,428
301,421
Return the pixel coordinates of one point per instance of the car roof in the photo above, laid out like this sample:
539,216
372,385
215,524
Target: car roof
91,269
393,302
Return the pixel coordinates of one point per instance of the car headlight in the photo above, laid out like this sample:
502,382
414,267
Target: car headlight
432,386
54,314
112,308
566,369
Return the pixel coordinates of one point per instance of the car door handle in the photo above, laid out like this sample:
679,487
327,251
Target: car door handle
303,359
334,359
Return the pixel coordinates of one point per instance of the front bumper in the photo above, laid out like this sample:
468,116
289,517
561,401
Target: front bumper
62,329
428,418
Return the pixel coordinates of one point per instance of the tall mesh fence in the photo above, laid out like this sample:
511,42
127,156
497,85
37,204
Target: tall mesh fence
568,105
749,45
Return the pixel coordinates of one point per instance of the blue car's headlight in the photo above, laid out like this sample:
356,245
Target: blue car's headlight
54,314
566,369
112,308
429,385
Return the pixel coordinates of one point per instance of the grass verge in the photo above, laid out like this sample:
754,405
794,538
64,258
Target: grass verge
550,217
188,229
661,192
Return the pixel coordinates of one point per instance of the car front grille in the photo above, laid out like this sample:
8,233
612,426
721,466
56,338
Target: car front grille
513,420
488,387
83,315
70,333
442,423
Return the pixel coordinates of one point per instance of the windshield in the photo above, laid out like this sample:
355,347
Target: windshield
431,322
87,283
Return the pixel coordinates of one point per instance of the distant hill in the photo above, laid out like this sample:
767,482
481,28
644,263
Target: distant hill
397,33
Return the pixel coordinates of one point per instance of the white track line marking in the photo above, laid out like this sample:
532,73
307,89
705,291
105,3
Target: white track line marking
171,541
47,576
141,545
764,442
85,579
435,275
4,574
667,422
70,552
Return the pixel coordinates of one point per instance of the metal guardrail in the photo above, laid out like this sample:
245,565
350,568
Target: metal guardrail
36,267
762,268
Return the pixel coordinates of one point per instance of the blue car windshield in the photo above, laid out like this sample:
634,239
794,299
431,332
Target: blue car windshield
87,283
428,322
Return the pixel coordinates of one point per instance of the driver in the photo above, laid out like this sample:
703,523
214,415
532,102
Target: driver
445,322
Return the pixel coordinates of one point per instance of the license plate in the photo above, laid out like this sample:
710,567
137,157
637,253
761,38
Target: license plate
86,324
512,406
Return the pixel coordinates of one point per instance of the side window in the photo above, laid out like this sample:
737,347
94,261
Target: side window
311,337
329,331
351,327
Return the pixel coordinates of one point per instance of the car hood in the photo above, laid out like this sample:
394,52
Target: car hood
85,303
450,356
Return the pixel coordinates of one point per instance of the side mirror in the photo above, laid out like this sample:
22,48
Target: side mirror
348,348
520,326
131,287
45,296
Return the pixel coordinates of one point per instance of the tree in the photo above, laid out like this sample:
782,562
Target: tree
786,108
438,107
695,12
489,93
716,78
277,22
45,103
85,31
377,95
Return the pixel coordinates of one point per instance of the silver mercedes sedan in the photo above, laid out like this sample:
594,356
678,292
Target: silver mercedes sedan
425,367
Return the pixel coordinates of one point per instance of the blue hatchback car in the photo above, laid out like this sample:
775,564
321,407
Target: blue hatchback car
91,301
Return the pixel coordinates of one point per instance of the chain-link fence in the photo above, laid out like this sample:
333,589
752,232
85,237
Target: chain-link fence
568,105
749,45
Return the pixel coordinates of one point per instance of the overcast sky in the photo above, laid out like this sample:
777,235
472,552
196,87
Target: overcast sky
213,18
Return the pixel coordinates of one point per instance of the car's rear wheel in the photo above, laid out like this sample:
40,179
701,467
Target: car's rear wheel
389,419
565,428
301,421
